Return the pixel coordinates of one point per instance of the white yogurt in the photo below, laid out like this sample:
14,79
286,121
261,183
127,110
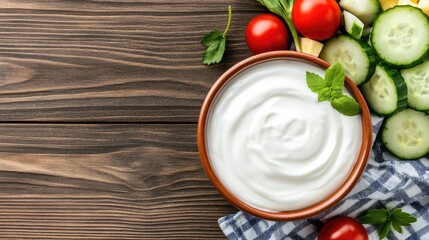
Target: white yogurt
273,145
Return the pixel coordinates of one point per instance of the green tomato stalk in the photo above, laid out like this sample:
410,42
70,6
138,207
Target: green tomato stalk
283,8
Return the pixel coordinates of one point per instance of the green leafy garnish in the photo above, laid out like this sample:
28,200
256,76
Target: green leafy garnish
388,219
330,89
346,105
215,43
283,8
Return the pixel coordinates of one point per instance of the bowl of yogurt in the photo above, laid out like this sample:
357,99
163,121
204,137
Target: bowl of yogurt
270,148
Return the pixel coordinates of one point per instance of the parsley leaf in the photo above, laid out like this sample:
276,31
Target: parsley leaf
388,219
283,8
215,47
330,89
211,38
215,43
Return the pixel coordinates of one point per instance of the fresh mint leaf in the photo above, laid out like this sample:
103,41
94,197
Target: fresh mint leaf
283,8
215,43
376,216
324,95
315,82
346,105
331,89
337,91
335,75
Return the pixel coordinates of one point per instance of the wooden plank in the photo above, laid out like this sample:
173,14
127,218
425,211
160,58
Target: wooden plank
100,181
112,61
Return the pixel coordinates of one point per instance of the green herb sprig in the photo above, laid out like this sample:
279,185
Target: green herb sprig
387,219
283,8
215,43
331,89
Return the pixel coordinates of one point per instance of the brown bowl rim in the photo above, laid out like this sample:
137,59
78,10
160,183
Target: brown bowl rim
308,212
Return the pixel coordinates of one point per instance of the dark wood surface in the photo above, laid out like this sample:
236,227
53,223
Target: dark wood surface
98,109
112,60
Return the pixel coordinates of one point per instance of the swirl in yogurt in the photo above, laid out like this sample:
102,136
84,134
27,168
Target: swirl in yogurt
273,145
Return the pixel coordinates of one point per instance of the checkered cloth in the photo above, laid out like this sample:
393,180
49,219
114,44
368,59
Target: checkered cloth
386,182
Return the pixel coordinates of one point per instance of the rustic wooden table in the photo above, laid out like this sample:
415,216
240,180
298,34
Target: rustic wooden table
99,102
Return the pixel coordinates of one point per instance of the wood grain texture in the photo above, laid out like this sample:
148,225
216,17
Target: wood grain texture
91,96
102,181
112,60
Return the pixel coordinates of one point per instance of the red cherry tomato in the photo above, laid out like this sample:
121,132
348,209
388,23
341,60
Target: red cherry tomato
316,19
266,32
343,228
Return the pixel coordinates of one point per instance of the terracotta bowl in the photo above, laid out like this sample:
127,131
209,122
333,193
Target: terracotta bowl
330,201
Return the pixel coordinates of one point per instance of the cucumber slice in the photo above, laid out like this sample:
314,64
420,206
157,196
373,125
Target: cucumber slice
353,25
400,36
386,91
405,134
357,58
365,10
417,80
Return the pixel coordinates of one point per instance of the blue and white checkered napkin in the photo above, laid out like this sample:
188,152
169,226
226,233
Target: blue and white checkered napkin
385,182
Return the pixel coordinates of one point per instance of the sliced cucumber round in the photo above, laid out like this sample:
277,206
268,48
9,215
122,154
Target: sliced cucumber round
386,91
357,58
417,80
400,36
406,134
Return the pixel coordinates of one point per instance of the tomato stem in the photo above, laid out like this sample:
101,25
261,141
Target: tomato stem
229,20
283,8
287,8
294,36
